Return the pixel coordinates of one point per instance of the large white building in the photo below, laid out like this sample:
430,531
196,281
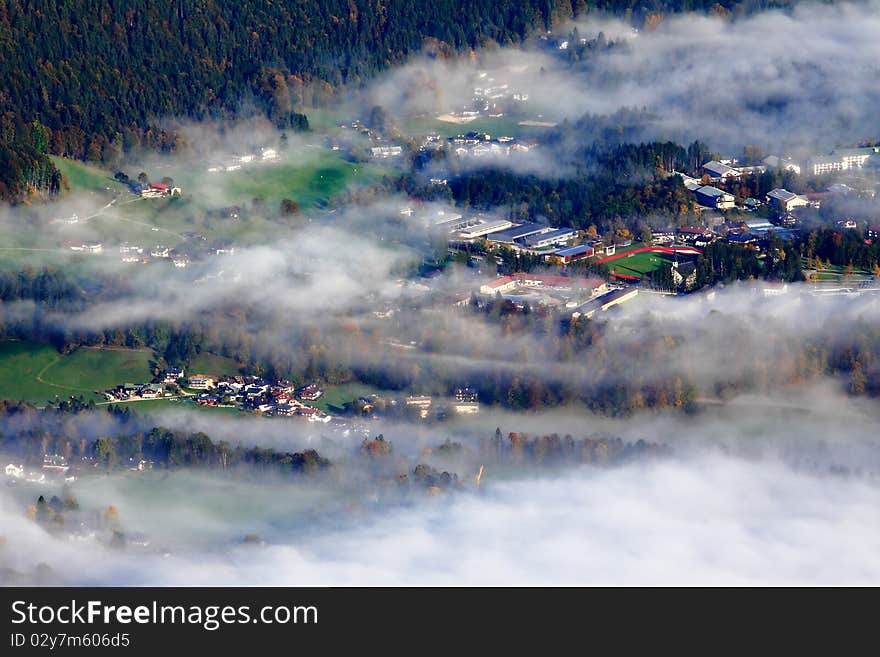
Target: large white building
484,228
842,159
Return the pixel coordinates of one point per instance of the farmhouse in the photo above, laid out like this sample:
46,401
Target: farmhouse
159,190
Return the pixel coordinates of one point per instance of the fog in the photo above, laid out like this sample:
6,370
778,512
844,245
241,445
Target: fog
796,80
703,520
772,474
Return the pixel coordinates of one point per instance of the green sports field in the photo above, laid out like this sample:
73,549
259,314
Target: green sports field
640,264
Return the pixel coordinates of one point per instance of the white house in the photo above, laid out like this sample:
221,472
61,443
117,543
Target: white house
785,201
201,382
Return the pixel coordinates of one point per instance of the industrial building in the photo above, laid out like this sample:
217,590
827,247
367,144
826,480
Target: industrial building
519,232
573,254
713,197
484,228
551,238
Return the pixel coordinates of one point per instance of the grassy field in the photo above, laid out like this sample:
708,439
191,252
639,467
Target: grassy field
36,372
310,175
83,177
20,365
180,404
837,273
309,184
87,370
640,264
335,397
208,363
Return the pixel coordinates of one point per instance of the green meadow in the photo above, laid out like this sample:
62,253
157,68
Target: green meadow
37,373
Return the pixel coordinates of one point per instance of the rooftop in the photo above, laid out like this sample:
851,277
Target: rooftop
573,250
782,194
708,190
549,235
518,232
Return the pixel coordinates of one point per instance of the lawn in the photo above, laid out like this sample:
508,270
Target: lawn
20,364
309,183
335,397
208,363
87,370
35,372
180,404
83,177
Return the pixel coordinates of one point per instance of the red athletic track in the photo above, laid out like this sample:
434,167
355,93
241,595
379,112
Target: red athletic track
684,250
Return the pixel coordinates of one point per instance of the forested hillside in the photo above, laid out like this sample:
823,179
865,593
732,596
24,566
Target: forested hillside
91,79
99,75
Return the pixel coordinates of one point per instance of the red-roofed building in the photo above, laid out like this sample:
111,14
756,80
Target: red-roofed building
159,190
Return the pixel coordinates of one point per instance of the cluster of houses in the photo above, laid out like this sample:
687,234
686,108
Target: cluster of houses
709,192
251,393
479,145
750,231
136,254
135,392
837,160
465,401
266,156
55,466
255,394
491,98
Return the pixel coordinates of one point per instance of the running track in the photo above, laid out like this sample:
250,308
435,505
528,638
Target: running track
683,250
